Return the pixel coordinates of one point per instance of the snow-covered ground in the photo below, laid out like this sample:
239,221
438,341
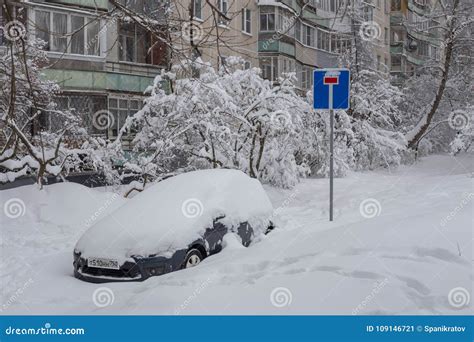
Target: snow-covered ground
401,243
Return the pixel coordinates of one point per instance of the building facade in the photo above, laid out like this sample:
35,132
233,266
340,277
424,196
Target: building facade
414,38
104,62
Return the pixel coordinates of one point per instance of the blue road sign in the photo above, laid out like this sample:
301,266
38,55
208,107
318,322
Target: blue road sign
324,80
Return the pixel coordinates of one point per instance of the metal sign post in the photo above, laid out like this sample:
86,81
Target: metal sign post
325,82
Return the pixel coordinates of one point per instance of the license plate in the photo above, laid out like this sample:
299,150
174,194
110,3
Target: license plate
103,263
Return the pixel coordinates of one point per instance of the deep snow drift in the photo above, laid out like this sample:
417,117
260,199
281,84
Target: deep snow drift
401,243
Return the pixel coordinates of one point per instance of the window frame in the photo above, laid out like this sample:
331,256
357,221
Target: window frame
266,15
220,5
246,21
197,5
88,19
115,111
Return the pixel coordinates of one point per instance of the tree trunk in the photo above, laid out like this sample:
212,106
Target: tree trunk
413,143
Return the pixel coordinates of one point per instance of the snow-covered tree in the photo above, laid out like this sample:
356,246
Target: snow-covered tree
37,137
446,82
231,118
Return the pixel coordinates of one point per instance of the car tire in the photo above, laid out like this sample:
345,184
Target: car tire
193,258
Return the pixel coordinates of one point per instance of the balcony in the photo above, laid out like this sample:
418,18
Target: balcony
396,18
270,45
98,80
396,49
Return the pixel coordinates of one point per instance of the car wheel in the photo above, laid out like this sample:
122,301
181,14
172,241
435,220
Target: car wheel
193,258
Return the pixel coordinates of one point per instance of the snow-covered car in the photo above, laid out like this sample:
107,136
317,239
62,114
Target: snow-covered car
173,224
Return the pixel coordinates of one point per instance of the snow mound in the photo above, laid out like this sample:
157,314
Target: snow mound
175,212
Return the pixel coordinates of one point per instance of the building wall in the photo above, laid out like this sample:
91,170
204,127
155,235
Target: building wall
414,37
89,63
214,41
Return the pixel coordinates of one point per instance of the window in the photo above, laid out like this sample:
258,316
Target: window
385,36
287,65
135,45
83,107
396,5
77,40
309,35
223,7
327,5
267,22
269,66
286,24
68,33
378,62
434,52
396,61
323,40
334,42
246,21
423,48
59,32
198,9
368,13
298,31
42,27
121,108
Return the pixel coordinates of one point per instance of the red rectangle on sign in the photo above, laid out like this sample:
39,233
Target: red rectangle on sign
331,80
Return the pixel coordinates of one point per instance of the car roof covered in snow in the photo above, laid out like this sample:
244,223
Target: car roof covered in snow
175,212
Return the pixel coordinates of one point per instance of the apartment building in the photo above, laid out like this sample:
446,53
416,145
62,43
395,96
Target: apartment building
378,12
282,35
101,64
414,36
216,37
105,63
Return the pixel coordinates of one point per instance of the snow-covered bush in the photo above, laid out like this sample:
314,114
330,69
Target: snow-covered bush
375,119
37,137
34,131
231,118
